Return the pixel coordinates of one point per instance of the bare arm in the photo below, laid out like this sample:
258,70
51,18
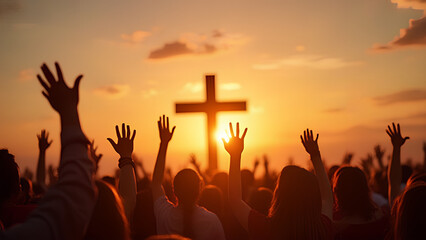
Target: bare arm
394,171
311,146
235,147
43,145
160,164
127,181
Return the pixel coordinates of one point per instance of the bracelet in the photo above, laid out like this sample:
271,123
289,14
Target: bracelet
124,161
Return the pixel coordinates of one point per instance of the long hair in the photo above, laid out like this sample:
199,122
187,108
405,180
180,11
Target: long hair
108,219
352,194
410,214
186,186
295,212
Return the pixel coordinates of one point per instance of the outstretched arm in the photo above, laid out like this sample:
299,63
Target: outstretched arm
311,146
127,181
67,207
235,147
394,171
158,175
43,145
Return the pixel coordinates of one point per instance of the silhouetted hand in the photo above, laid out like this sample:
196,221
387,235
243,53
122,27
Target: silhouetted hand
379,151
235,145
43,140
265,161
60,96
95,157
193,161
347,158
124,145
367,164
311,145
395,135
164,130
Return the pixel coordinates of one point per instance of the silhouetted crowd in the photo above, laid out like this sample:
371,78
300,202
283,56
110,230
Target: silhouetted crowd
381,199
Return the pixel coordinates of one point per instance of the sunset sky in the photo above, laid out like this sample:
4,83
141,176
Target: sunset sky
344,68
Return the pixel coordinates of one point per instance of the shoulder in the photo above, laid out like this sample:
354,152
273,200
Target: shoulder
258,225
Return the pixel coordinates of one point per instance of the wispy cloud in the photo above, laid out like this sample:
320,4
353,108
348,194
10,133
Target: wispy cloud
229,86
311,61
135,37
192,87
113,91
197,44
149,93
334,110
26,75
410,95
414,35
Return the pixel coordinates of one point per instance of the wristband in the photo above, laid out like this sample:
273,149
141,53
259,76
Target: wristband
124,161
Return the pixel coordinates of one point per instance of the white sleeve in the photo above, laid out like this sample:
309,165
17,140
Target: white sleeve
66,209
162,209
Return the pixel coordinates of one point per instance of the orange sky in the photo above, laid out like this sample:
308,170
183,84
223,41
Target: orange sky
343,68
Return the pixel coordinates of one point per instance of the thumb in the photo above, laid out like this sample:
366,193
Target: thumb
114,145
77,83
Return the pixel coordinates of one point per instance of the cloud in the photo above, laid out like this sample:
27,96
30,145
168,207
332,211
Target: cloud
197,44
112,91
149,93
334,110
312,61
410,95
135,37
414,35
230,86
8,6
26,75
192,87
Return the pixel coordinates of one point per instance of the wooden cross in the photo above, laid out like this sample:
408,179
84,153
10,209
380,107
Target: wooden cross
211,107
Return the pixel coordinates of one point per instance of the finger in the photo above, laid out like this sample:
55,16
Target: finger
133,135
244,133
231,130
406,138
48,74
100,156
112,142
304,136
128,132
38,136
311,136
394,128
238,130
168,123
45,95
317,137
43,83
164,121
123,130
387,131
399,129
117,131
390,131
303,141
50,143
173,130
159,124
76,86
59,72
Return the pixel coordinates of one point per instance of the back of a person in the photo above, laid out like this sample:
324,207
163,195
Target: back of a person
373,230
205,224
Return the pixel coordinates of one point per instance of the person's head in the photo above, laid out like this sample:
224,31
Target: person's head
296,206
108,218
26,191
406,171
220,179
9,176
410,214
417,177
352,194
186,187
260,200
211,198
331,172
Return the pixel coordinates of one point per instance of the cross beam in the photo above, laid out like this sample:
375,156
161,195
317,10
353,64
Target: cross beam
211,107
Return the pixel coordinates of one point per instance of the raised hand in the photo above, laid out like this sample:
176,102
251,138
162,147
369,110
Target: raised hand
95,157
311,145
164,130
43,140
235,145
395,135
62,98
347,158
367,164
124,145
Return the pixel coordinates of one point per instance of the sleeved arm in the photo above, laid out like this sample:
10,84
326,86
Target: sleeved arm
66,209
